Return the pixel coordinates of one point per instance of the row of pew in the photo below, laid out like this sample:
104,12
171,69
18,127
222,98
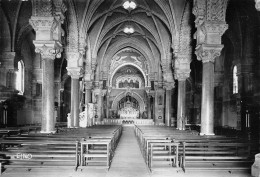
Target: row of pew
28,129
79,148
164,147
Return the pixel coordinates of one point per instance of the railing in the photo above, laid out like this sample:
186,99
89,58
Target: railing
128,121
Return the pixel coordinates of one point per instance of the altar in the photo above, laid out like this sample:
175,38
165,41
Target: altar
128,112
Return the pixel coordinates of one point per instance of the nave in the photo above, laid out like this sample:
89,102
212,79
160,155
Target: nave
128,154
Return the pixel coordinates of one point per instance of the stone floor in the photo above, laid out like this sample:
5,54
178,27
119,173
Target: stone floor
127,162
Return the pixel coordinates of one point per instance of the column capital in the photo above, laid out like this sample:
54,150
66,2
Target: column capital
48,49
73,58
210,20
207,52
88,84
168,77
182,75
75,72
169,85
257,5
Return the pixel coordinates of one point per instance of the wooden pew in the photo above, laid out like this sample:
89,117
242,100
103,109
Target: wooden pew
199,152
48,151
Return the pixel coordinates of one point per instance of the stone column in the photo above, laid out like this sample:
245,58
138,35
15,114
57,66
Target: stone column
181,110
182,72
148,91
159,106
48,119
108,95
88,94
100,107
47,25
207,54
168,103
75,74
210,28
149,107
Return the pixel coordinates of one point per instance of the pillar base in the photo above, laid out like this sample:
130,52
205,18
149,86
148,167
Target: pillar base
207,134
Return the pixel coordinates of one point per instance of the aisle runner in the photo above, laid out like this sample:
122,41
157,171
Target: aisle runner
128,160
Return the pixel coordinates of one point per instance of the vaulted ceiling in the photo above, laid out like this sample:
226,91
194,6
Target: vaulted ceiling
156,25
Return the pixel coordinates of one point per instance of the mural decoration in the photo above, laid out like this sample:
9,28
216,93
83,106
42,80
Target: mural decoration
131,81
128,56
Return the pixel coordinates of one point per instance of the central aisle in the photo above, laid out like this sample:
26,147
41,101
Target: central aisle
128,160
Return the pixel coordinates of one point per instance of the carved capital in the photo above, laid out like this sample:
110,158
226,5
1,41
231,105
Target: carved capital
169,85
75,72
257,5
208,53
88,85
48,49
182,75
168,77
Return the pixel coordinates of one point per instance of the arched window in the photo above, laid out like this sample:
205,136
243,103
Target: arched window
235,80
20,77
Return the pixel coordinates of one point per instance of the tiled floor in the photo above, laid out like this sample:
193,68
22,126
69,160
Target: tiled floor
127,162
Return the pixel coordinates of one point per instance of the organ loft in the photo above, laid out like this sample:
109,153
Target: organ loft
129,87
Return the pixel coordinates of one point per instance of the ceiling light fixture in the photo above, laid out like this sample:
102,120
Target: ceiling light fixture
129,30
129,5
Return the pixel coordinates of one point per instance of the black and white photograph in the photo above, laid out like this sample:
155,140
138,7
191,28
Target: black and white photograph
130,88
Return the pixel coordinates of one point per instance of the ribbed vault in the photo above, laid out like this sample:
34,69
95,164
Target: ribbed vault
155,24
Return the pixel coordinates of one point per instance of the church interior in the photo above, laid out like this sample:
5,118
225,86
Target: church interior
84,82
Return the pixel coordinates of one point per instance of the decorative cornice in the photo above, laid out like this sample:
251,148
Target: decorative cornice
41,23
75,72
208,53
218,28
